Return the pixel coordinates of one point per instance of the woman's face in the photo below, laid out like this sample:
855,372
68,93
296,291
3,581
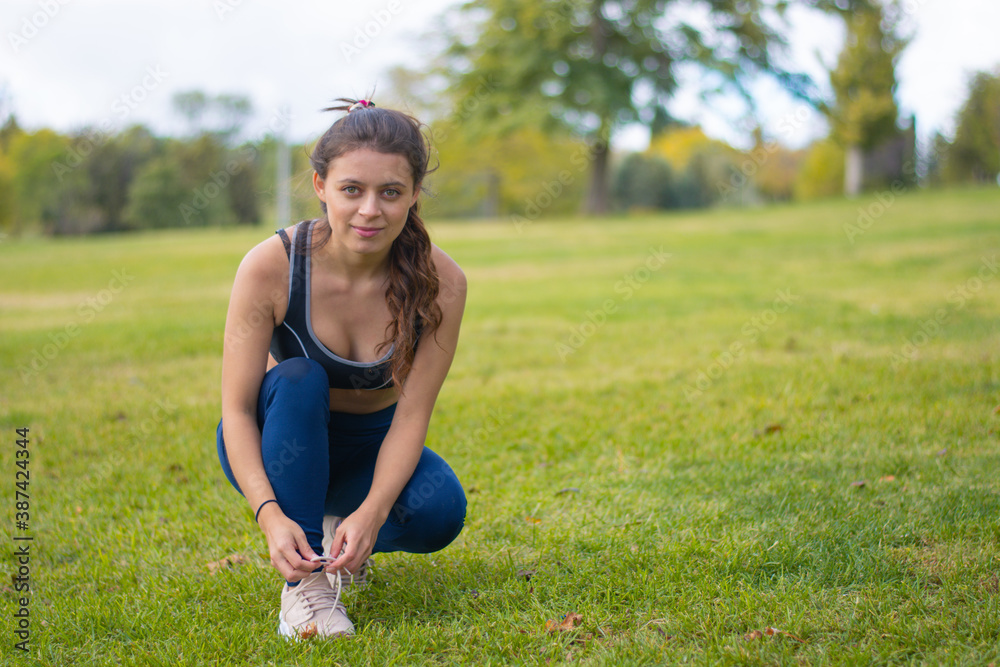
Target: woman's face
368,196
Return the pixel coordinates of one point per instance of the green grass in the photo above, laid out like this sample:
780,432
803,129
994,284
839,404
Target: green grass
682,473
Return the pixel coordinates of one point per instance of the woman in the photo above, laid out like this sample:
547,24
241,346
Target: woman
360,313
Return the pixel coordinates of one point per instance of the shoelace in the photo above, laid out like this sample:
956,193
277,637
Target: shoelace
309,600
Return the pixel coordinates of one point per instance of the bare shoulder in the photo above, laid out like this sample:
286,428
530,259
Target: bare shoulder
261,282
449,272
265,264
453,285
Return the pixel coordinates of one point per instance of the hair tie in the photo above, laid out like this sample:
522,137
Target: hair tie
360,104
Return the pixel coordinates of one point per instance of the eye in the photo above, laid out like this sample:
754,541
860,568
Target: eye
351,189
392,192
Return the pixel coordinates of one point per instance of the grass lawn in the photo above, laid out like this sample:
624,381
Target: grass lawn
688,429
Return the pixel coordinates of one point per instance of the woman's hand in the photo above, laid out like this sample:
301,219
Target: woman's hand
356,535
290,552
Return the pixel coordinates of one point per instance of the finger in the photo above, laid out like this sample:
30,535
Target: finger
305,551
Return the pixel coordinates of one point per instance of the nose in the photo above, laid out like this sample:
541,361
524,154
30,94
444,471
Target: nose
369,206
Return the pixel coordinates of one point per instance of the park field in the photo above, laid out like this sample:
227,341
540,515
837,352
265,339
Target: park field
766,436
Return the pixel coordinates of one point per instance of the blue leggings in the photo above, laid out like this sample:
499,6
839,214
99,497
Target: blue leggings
321,462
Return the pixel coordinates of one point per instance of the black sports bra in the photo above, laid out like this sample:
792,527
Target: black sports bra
295,337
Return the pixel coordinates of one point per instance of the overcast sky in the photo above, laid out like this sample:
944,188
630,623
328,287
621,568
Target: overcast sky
70,63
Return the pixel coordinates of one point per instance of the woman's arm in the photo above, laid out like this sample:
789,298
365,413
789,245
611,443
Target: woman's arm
260,282
404,443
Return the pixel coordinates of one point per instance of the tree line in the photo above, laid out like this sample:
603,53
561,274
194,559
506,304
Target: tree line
520,110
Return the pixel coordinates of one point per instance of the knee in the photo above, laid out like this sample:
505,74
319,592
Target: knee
433,515
302,377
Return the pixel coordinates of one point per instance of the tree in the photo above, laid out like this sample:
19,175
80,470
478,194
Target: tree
822,171
864,84
593,65
645,182
974,155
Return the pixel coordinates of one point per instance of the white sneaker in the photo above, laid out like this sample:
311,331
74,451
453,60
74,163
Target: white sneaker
358,579
313,608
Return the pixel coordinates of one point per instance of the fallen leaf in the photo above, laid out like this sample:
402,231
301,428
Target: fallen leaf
860,483
770,632
769,429
531,519
887,478
308,631
569,622
79,510
228,561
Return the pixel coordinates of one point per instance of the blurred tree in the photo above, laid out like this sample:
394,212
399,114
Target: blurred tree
974,155
645,182
111,167
822,172
679,143
593,65
7,193
936,156
36,187
192,105
222,116
777,169
864,110
523,174
157,195
243,167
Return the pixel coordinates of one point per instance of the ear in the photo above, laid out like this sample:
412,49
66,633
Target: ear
320,187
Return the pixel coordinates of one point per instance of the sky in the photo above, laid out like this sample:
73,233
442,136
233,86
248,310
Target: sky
66,64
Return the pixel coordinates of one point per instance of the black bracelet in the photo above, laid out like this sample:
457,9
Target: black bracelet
256,516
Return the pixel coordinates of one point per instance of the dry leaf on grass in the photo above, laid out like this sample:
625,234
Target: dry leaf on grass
859,484
768,430
569,622
770,632
531,519
228,561
887,478
307,631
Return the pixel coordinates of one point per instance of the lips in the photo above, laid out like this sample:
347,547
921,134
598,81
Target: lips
367,232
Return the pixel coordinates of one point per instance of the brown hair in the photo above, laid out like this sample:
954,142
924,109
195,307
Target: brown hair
413,280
